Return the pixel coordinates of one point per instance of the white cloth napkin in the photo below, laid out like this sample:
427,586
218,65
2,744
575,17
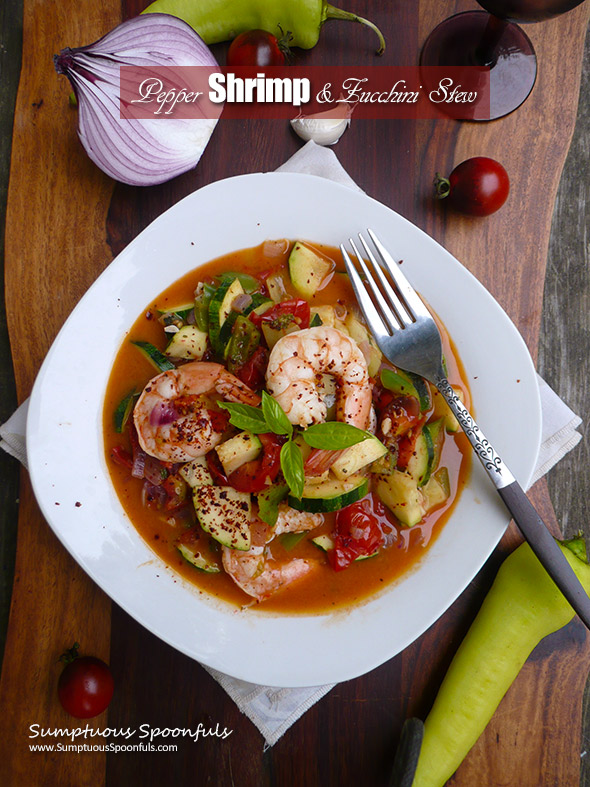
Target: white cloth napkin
274,710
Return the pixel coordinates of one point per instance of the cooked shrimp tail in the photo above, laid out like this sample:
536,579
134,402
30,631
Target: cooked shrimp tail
173,416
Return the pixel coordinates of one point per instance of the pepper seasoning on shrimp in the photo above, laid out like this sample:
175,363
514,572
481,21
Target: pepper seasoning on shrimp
173,422
295,367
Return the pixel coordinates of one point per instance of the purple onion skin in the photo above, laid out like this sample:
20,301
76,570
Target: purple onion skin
133,151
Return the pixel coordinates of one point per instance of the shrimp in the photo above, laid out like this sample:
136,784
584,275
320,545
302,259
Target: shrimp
173,421
257,574
290,520
296,364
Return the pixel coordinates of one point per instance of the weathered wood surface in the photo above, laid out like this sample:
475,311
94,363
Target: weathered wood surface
63,216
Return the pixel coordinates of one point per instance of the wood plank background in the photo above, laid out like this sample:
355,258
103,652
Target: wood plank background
65,220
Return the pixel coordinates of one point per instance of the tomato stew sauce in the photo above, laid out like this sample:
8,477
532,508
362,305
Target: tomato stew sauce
323,589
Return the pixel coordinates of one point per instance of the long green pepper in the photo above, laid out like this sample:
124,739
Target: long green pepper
522,607
223,20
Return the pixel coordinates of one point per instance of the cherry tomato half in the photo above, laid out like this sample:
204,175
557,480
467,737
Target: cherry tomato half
85,687
477,187
358,532
256,48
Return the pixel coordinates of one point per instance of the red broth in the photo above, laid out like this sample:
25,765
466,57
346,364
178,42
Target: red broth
323,589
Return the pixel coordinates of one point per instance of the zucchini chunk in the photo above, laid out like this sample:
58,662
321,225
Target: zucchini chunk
307,269
197,559
219,309
196,473
225,513
400,493
154,356
238,450
331,494
188,343
358,456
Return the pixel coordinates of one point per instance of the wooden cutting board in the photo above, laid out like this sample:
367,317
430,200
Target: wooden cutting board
65,220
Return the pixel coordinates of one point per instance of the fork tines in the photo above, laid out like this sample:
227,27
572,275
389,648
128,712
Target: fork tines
387,309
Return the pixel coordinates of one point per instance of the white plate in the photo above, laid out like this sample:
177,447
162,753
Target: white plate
70,477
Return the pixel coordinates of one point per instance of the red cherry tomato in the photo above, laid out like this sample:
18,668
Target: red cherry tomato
477,187
256,48
253,371
358,532
85,687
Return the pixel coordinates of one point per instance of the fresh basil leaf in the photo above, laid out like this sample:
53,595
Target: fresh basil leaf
275,416
292,467
244,416
334,435
268,503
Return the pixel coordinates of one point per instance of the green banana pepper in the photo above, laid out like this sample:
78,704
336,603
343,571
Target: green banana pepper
223,20
523,606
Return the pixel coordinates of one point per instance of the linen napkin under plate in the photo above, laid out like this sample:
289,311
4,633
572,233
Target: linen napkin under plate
273,710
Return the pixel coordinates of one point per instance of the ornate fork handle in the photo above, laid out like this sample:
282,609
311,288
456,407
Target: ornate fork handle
522,510
497,470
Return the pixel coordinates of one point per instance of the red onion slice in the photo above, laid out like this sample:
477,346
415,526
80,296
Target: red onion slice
136,151
163,413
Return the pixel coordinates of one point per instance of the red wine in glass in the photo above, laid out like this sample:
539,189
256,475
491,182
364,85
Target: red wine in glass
477,38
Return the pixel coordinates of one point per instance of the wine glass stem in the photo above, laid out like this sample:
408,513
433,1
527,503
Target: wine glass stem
486,52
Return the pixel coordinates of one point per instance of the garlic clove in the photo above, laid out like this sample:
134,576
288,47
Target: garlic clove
324,128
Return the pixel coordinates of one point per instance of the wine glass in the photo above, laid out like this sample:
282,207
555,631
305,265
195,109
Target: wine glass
478,38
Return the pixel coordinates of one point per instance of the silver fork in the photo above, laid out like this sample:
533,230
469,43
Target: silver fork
408,336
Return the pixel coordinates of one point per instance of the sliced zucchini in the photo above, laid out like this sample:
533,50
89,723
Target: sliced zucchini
330,495
244,340
220,307
238,450
307,269
436,430
421,462
196,473
225,513
197,559
358,456
188,343
249,283
272,335
290,540
400,493
157,358
325,314
324,542
407,384
123,410
437,491
360,334
442,410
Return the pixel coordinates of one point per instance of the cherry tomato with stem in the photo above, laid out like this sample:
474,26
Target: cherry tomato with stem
257,48
478,186
85,687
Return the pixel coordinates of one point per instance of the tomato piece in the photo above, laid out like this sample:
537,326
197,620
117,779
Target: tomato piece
478,186
281,314
253,372
404,414
85,687
176,491
256,48
358,532
121,457
254,476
